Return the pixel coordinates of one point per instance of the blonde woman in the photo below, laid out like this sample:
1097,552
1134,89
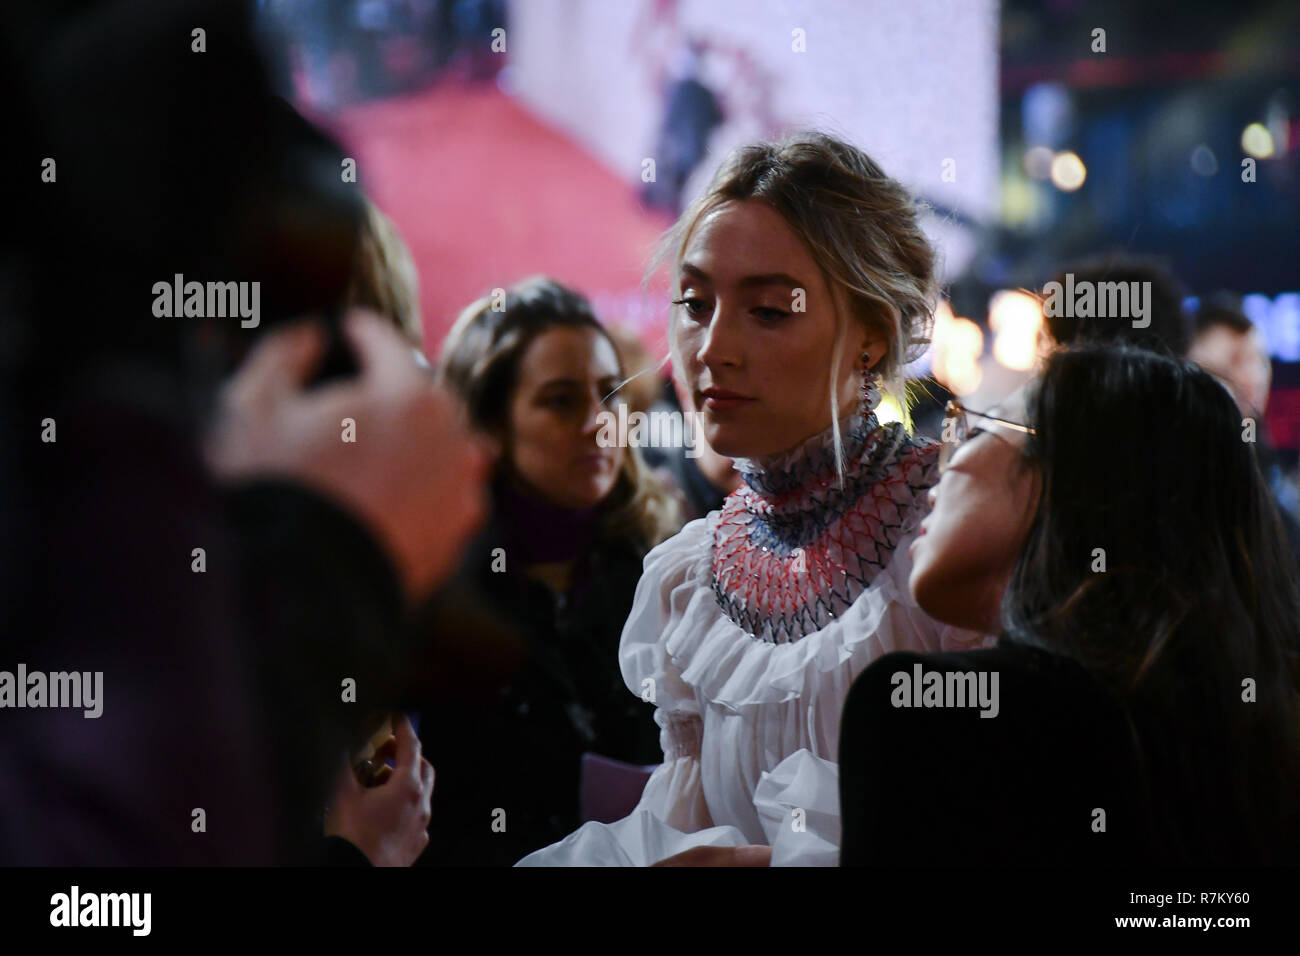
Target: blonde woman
802,285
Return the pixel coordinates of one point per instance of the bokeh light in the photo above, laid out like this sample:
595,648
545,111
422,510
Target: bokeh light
1257,141
1068,171
1015,318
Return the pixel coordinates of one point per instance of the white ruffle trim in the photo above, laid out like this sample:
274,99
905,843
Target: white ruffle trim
731,668
637,840
798,804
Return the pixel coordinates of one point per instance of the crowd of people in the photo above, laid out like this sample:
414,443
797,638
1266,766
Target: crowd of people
428,593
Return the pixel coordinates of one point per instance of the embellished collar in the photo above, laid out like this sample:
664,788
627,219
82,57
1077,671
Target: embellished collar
796,492
794,547
811,461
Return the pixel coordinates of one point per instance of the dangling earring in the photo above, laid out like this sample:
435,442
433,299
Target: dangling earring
870,394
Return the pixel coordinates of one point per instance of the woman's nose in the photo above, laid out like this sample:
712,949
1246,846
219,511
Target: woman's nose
722,344
591,418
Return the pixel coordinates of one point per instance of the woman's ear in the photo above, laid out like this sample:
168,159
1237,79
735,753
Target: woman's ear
876,344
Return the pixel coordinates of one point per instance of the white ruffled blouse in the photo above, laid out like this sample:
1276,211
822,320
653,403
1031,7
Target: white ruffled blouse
750,721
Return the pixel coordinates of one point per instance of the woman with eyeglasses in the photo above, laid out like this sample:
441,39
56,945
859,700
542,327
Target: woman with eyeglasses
1113,526
803,285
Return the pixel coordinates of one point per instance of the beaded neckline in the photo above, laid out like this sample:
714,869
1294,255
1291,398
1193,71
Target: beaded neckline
793,548
813,459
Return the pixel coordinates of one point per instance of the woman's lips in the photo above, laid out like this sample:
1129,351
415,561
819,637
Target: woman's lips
720,399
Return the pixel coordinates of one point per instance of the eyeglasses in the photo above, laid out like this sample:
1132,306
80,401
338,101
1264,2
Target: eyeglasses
955,430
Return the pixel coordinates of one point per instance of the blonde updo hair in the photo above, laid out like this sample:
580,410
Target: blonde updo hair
861,227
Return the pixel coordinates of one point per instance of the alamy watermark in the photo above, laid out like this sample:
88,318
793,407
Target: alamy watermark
653,429
1098,300
923,688
212,300
26,688
75,909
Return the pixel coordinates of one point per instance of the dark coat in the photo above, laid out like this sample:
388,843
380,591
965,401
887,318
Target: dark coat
516,743
945,786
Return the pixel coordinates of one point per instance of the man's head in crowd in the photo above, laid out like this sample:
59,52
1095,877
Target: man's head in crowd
1165,329
1228,345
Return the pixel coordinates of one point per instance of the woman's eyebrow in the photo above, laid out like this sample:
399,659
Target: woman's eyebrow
772,278
762,279
568,381
695,272
556,383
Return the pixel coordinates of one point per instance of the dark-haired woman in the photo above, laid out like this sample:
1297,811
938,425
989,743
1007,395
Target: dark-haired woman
560,560
1115,528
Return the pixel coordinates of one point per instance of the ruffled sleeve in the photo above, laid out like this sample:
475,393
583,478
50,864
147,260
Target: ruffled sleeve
672,816
798,803
674,792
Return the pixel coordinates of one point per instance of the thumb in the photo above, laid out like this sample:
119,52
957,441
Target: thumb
408,745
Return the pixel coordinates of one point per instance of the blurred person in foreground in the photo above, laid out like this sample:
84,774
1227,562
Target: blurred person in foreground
572,521
1111,524
221,556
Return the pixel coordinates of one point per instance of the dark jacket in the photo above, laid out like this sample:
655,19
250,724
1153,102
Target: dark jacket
221,680
515,745
945,786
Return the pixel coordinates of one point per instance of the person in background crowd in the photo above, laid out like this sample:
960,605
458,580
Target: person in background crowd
1168,329
1145,690
692,111
572,523
385,279
1220,338
1228,346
